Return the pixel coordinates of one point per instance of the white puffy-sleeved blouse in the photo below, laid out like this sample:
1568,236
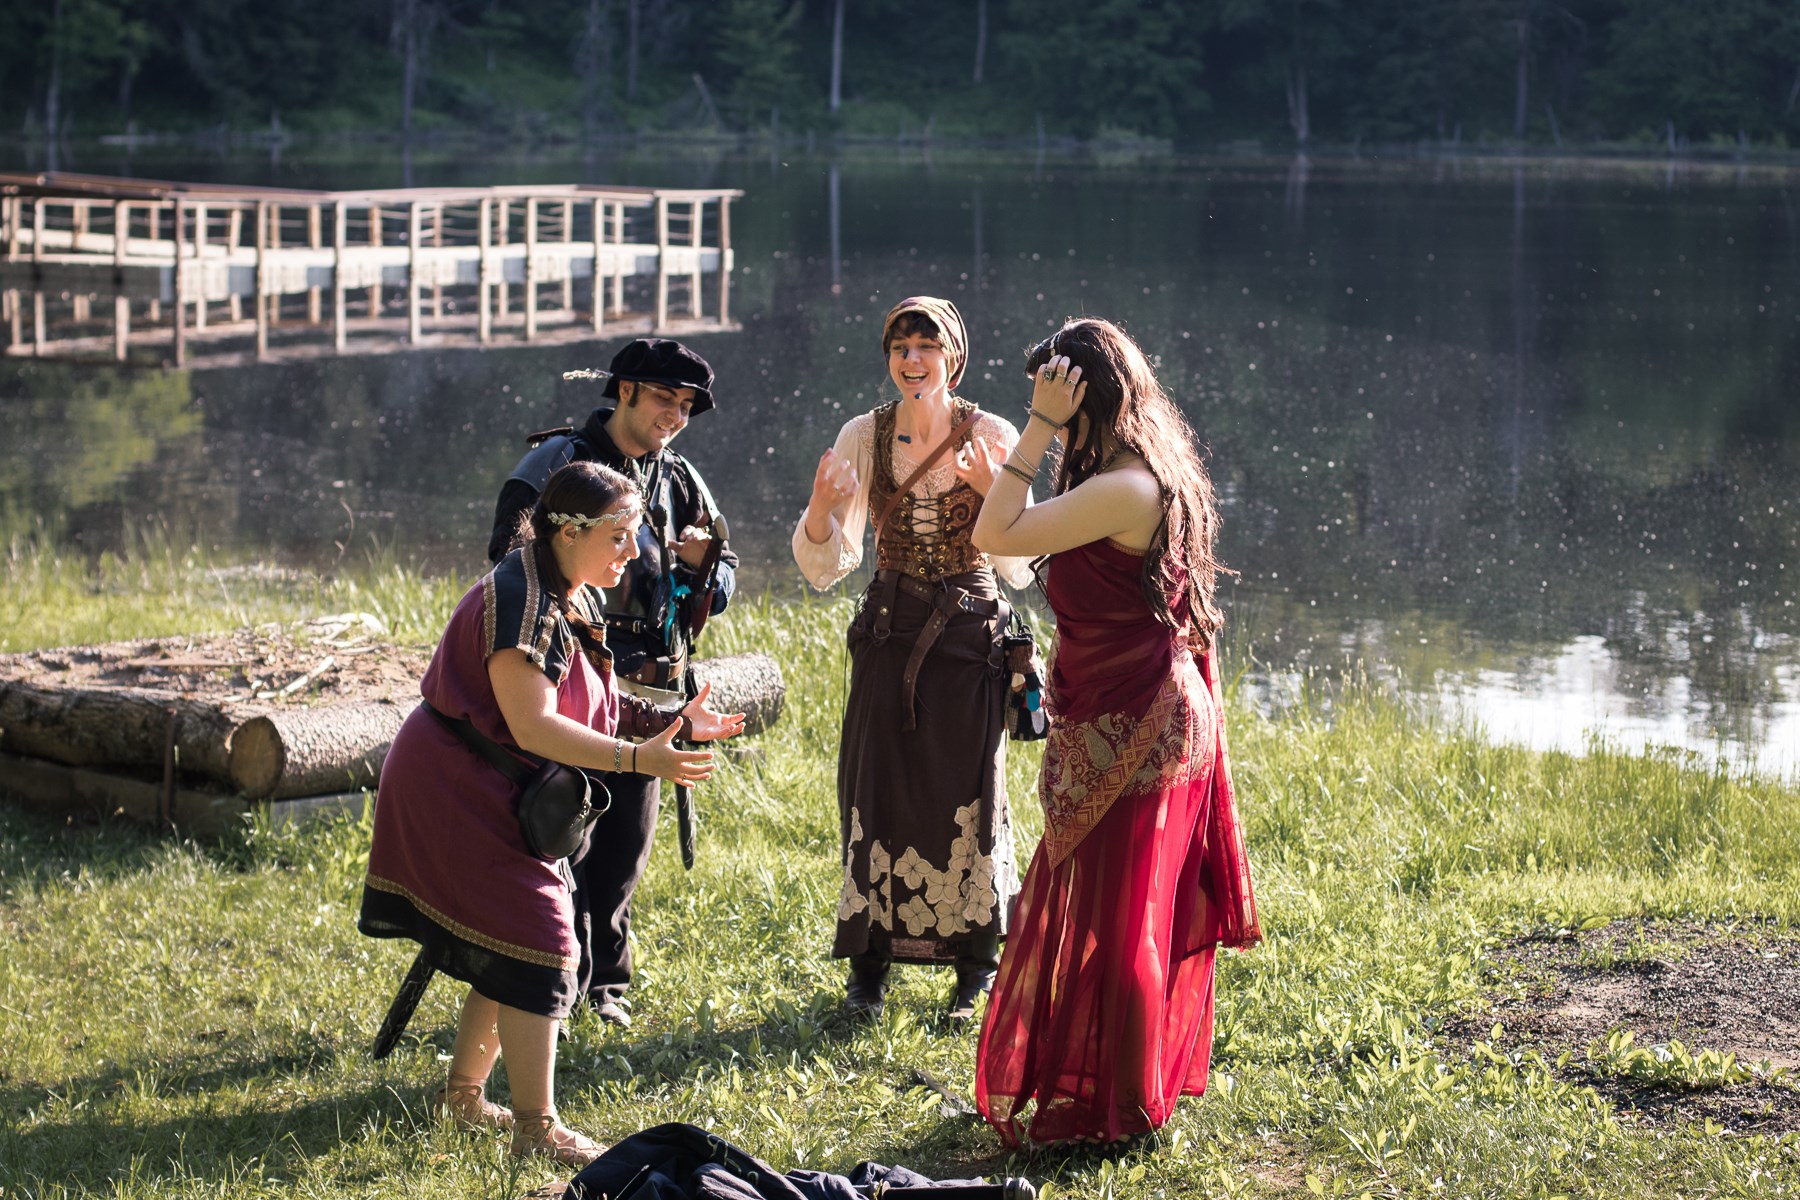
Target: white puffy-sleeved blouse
824,563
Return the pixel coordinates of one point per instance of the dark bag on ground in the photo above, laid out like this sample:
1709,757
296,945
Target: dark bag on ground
684,1162
1026,720
556,802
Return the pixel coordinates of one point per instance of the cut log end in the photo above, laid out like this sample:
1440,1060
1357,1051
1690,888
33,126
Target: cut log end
258,757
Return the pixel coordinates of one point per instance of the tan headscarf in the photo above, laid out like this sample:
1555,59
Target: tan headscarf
943,314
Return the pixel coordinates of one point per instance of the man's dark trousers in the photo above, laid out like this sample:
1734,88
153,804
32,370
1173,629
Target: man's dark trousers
618,851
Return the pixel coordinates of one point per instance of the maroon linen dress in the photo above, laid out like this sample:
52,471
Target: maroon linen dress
448,867
1101,1016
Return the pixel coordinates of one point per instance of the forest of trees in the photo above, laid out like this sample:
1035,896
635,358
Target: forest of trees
1198,73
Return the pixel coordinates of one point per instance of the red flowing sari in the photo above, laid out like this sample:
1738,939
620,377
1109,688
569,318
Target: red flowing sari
1101,1016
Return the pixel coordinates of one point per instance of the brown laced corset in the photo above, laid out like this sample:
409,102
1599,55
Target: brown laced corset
928,536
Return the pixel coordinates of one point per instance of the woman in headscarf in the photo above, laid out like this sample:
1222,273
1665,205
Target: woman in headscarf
1102,1015
926,845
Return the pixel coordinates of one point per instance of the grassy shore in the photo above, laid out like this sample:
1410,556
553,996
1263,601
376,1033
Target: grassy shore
192,1020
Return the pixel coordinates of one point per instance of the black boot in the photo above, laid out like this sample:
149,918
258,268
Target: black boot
868,983
975,968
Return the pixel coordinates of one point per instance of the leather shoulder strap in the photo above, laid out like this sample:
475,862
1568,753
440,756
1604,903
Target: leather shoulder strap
966,424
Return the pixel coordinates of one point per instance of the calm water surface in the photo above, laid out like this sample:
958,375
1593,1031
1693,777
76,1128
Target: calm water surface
1522,441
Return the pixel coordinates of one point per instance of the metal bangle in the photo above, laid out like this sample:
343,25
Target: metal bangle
1019,472
1046,420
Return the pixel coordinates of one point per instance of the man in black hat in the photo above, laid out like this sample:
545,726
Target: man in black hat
683,574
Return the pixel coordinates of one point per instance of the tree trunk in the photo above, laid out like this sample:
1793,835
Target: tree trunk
1299,114
632,14
1522,72
53,89
980,37
588,70
314,751
837,55
114,727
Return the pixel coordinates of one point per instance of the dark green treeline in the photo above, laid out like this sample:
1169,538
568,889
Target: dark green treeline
1197,72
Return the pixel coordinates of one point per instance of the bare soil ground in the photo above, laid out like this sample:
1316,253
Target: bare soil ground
1712,986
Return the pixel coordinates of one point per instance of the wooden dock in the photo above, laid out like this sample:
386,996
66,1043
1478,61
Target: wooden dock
204,274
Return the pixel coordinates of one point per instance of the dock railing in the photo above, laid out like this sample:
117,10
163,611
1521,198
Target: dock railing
350,272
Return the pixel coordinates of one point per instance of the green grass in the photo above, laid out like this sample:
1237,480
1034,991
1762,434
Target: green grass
192,1020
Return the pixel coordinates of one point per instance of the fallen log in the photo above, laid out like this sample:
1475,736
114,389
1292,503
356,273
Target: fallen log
117,726
746,683
311,751
88,707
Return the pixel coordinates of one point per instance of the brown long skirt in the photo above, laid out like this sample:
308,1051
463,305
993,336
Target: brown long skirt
927,842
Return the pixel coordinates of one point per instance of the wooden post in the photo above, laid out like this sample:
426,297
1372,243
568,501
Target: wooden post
414,232
121,232
180,308
724,260
375,240
531,221
315,237
695,214
437,262
262,254
340,226
121,325
15,316
503,289
78,307
600,281
484,237
37,228
200,267
268,287
234,237
618,289
568,259
661,320
37,322
9,217
78,224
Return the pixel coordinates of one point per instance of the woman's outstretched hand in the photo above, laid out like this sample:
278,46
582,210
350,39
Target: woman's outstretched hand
707,725
1056,390
833,483
978,462
660,758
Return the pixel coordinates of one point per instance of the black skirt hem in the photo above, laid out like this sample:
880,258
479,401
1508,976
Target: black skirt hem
528,987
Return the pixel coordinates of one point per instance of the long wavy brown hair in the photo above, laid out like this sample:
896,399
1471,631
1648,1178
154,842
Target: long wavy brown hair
1124,400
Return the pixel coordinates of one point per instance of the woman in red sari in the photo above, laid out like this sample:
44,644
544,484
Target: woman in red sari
1101,1017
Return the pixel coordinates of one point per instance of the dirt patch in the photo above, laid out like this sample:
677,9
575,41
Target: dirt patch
1728,988
328,660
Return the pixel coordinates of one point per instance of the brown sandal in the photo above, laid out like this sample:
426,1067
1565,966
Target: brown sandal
463,1100
540,1133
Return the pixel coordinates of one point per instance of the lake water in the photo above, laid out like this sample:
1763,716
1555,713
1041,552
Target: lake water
1522,440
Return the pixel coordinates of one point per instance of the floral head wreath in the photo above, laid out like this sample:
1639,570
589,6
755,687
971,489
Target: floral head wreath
584,522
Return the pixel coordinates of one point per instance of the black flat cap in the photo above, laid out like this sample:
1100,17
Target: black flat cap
664,361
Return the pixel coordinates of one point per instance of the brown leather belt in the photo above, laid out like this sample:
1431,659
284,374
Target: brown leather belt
946,600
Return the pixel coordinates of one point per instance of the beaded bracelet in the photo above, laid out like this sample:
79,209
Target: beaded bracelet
1052,424
618,754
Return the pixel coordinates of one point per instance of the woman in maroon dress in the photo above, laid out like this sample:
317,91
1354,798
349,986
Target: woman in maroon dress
524,660
1101,1017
